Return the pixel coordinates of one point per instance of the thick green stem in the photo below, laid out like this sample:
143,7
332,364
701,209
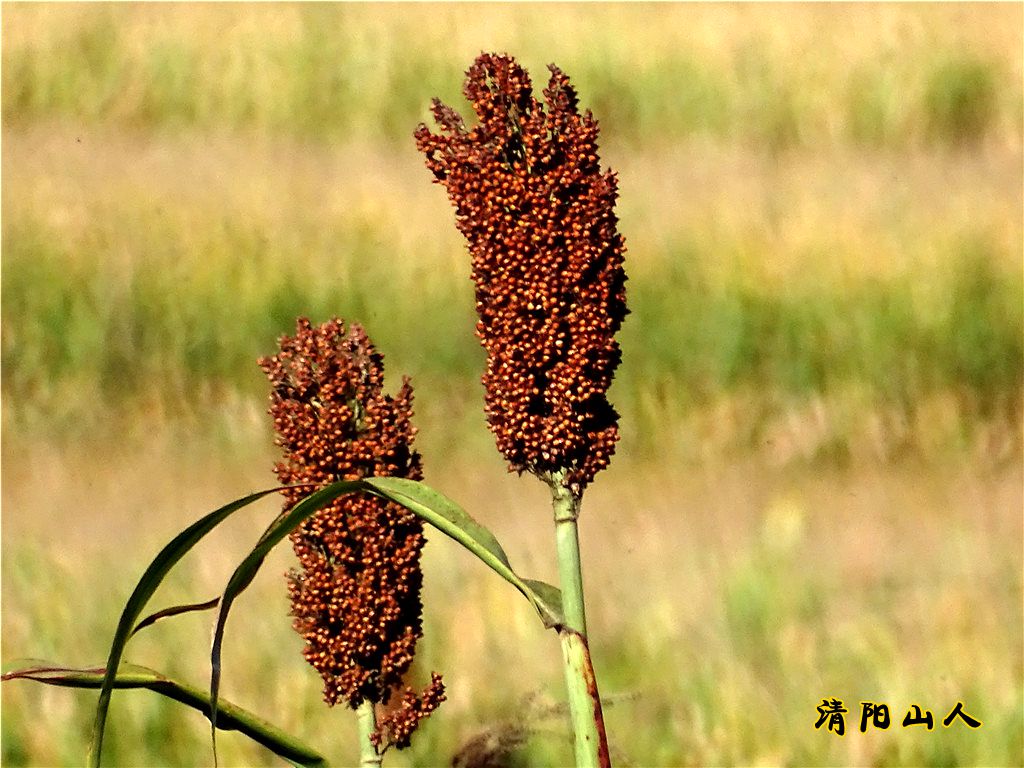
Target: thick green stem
369,757
591,742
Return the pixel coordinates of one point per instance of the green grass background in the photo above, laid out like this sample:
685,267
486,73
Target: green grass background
820,393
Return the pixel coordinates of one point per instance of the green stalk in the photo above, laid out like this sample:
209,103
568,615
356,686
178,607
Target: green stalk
590,742
570,570
369,757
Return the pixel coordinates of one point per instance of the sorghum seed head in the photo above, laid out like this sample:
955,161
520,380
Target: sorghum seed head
538,214
356,595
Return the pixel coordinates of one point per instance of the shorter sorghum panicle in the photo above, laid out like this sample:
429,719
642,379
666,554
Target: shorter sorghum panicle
538,214
356,595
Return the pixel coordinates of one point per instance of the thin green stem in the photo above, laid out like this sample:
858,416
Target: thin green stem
591,742
570,571
369,756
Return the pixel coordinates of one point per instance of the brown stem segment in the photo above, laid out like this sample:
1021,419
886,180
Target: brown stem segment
591,744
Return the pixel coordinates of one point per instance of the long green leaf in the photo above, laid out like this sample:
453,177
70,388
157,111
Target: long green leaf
230,716
151,579
449,518
177,610
431,506
246,571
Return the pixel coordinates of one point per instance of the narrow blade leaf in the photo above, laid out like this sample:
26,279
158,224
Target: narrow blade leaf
151,579
230,717
174,610
430,506
191,607
449,518
246,572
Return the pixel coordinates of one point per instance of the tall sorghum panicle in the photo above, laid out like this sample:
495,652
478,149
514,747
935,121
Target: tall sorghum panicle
538,213
356,595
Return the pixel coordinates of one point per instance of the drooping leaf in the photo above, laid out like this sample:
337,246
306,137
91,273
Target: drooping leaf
151,579
177,610
230,717
174,610
429,505
449,518
247,569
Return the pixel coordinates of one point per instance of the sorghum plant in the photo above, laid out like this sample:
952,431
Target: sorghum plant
538,214
356,596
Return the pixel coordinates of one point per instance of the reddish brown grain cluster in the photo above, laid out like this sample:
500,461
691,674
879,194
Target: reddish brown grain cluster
538,212
356,597
397,727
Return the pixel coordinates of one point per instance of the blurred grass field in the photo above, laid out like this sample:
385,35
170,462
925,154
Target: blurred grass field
760,76
738,599
820,471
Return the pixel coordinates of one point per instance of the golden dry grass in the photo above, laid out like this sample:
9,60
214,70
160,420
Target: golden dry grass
725,602
843,214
